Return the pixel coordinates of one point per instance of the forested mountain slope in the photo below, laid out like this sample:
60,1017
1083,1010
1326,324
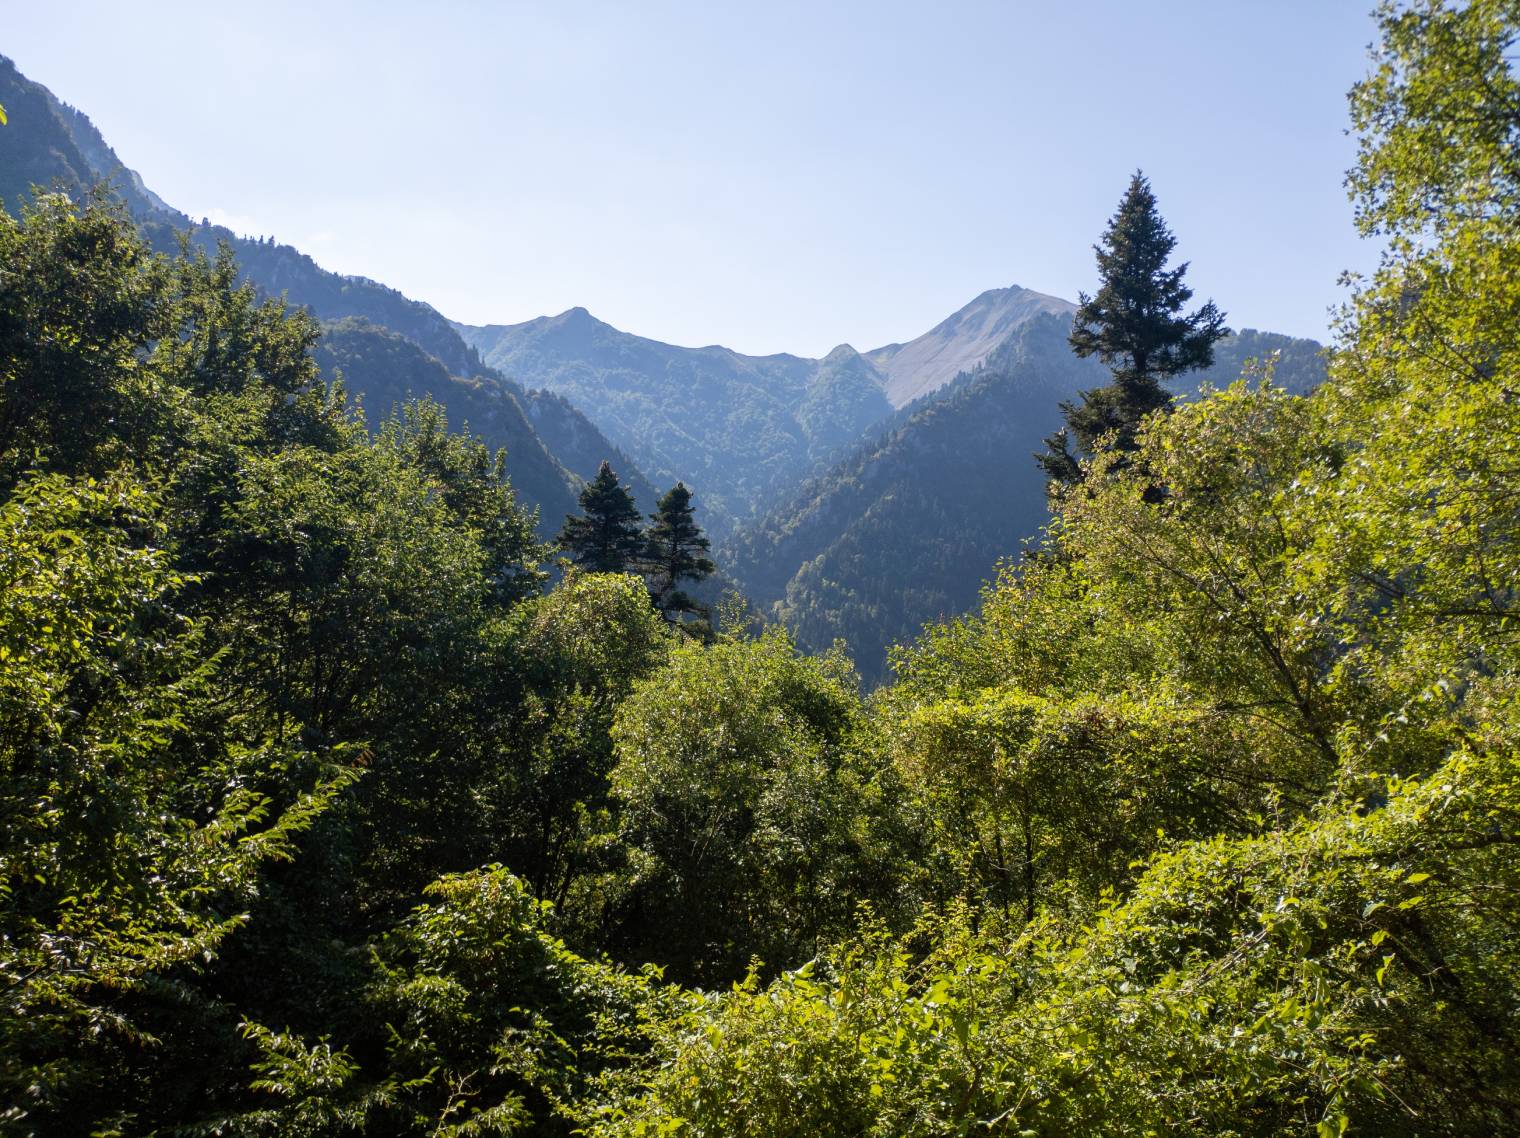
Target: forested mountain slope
749,431
908,527
574,440
1296,365
385,369
739,428
51,144
541,431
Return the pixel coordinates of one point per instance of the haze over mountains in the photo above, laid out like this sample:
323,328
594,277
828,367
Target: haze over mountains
50,144
854,496
744,428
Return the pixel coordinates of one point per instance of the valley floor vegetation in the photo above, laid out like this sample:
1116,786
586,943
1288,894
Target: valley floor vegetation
323,813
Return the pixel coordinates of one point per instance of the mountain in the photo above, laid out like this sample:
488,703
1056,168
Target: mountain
1299,365
743,431
387,345
739,428
960,343
744,428
909,525
843,398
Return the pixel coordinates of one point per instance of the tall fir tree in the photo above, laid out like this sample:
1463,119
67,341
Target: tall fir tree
1135,324
675,549
606,537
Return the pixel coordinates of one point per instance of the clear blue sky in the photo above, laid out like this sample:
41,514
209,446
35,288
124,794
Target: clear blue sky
771,176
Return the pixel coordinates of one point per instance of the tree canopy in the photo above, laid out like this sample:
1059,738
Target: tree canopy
605,537
325,811
1135,323
675,550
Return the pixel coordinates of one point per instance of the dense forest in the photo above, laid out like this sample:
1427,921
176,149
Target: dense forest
332,806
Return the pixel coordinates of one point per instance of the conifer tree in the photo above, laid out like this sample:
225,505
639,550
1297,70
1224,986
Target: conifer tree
606,537
675,549
1134,324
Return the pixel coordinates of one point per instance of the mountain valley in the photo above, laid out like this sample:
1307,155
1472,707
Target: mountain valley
853,497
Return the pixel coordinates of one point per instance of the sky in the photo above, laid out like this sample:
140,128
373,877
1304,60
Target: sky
767,175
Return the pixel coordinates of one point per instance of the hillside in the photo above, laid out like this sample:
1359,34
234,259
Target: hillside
907,528
740,428
384,369
51,144
1299,365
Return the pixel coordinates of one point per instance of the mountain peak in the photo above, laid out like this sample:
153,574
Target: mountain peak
573,324
961,341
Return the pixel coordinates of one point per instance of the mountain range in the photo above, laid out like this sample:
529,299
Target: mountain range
907,527
853,497
745,429
740,428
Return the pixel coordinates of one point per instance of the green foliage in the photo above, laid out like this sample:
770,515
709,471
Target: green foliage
136,812
605,537
675,549
1134,323
1337,971
577,653
194,672
79,298
755,821
1435,120
475,493
476,1021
